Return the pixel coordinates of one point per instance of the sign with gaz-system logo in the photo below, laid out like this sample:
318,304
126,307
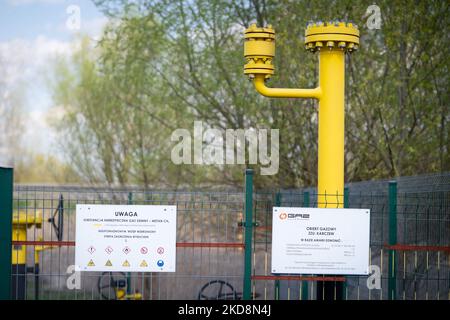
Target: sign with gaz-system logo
125,238
320,241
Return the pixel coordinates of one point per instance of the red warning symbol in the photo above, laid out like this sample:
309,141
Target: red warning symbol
160,250
144,250
109,250
126,250
91,249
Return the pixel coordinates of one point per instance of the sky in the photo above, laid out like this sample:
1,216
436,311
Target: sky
32,34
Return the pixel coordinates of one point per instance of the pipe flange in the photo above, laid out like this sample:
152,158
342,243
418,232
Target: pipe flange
259,50
337,35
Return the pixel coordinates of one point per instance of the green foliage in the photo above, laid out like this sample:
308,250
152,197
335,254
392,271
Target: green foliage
162,64
38,168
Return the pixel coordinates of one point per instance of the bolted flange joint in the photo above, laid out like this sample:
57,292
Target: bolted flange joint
259,51
333,35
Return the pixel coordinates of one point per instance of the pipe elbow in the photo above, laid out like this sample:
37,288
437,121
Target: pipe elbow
260,86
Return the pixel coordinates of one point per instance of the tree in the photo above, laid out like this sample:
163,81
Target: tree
39,168
11,113
163,64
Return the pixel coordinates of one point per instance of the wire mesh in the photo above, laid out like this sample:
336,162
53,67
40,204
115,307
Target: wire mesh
422,251
210,244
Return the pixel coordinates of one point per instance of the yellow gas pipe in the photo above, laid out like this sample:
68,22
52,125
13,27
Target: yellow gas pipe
332,40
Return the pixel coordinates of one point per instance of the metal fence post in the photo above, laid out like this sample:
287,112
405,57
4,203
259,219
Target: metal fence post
392,281
344,284
346,192
6,213
130,201
277,282
248,233
305,283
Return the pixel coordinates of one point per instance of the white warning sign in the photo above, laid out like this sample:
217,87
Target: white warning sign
320,241
126,238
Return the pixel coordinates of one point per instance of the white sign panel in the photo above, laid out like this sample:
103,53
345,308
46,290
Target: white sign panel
320,241
126,238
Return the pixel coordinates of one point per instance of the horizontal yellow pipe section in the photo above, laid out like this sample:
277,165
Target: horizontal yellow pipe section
260,86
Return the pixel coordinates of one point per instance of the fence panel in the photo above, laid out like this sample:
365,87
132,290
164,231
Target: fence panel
409,243
209,244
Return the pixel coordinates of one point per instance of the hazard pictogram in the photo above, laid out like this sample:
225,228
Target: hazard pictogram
126,250
125,263
91,249
108,263
91,263
143,264
108,249
144,250
160,250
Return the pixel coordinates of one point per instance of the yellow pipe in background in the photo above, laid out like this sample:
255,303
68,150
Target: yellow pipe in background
21,222
19,252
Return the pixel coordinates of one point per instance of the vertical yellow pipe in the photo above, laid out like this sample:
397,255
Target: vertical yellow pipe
19,251
331,128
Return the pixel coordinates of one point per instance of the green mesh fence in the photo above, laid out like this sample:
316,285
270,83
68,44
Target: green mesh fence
409,243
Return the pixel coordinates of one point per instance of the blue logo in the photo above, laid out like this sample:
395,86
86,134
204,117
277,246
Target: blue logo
160,263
